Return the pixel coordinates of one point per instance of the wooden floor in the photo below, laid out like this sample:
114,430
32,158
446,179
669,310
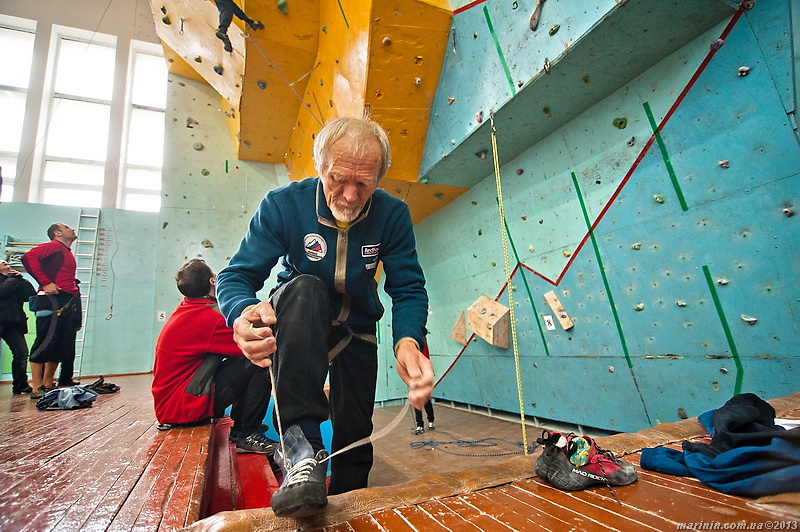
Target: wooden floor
108,468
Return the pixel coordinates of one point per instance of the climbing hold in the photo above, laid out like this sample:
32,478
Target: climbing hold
611,369
439,196
261,84
748,4
417,81
164,225
637,246
520,83
553,29
479,117
749,320
546,112
424,180
620,123
723,370
218,69
453,141
164,9
546,65
191,122
281,5
480,232
566,253
743,71
520,171
481,154
658,198
204,171
722,281
450,100
198,146
680,303
387,41
638,306
206,243
246,144
682,414
586,79
530,248
788,211
724,164
321,82
716,45
324,29
631,141
166,20
198,59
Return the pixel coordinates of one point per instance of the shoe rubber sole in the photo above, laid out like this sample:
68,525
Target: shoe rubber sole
304,501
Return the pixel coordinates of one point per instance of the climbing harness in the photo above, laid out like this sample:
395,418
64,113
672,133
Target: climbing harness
434,445
508,279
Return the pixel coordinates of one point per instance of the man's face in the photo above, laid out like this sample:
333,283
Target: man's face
5,269
350,180
66,231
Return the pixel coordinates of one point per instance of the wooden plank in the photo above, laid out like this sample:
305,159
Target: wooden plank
459,332
558,309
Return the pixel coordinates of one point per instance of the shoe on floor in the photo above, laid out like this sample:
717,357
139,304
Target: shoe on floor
221,35
256,25
576,462
255,442
431,426
25,389
302,492
40,391
417,431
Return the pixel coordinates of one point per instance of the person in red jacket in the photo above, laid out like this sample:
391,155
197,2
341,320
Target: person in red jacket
58,309
199,370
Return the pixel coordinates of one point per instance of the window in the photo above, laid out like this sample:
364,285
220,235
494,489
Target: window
76,142
97,138
15,72
145,138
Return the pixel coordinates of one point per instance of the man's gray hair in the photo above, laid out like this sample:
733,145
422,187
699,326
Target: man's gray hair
359,132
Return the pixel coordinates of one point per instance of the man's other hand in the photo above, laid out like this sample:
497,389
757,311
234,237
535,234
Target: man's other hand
416,371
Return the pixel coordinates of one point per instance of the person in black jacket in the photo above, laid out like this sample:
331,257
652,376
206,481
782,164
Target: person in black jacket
14,291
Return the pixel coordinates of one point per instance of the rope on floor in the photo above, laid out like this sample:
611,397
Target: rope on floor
434,445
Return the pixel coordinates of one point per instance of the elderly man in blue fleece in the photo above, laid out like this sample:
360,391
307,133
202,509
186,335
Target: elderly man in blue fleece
329,234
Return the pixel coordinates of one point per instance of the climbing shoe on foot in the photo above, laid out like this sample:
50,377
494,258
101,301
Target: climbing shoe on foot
221,35
302,492
576,462
255,442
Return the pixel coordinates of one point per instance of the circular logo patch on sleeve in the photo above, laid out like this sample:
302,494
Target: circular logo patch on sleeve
315,247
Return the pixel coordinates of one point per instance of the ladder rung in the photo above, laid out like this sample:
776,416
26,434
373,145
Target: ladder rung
89,215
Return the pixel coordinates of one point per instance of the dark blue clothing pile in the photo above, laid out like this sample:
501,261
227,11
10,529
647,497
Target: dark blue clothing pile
748,455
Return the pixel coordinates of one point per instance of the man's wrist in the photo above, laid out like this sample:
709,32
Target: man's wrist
405,339
247,309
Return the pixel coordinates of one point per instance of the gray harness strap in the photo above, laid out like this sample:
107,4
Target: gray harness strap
344,342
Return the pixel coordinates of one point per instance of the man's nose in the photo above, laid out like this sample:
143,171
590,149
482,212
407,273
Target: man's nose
350,193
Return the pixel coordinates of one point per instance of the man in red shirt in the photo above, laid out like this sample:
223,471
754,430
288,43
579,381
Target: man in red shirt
199,369
58,312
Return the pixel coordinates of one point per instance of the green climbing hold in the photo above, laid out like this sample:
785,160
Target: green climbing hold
218,69
282,6
166,20
620,123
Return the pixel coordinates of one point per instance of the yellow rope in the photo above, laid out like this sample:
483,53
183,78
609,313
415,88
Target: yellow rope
508,277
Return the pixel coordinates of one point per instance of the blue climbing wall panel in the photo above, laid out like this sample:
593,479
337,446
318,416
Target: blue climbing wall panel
686,291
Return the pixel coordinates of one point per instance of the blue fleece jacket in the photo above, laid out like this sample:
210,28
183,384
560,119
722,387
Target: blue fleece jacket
293,224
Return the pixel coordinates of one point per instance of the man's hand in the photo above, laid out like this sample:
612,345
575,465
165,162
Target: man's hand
416,371
50,289
253,332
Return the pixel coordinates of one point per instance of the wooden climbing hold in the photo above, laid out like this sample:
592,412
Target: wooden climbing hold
459,333
558,309
490,320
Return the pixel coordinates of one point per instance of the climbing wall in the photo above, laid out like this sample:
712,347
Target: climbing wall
662,216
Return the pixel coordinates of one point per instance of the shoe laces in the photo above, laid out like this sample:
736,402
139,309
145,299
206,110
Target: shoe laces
301,471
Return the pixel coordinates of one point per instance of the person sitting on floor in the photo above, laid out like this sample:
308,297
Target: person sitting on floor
199,370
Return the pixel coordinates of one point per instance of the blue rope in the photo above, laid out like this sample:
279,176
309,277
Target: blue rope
431,445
